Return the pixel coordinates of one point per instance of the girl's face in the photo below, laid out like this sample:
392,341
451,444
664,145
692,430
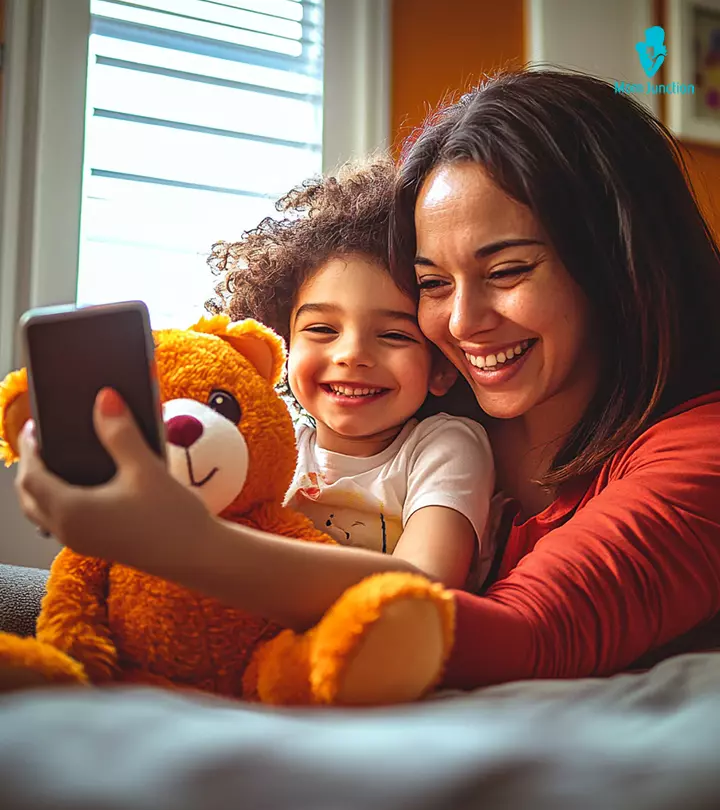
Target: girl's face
496,299
358,362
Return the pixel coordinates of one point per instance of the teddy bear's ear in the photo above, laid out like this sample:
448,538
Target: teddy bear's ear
260,345
14,412
255,341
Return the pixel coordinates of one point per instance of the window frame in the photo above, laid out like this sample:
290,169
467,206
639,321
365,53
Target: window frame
43,127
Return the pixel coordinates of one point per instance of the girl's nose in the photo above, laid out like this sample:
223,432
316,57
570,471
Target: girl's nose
183,430
353,352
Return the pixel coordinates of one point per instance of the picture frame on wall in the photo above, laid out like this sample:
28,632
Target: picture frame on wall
693,58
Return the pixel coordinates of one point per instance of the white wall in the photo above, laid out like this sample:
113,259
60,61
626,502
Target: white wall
41,156
595,36
40,165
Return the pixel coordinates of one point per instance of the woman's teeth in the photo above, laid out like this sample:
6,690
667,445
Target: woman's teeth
490,360
354,392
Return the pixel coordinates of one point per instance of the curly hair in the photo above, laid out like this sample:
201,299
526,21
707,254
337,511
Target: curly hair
324,217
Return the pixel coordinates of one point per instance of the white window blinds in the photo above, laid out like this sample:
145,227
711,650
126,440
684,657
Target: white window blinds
200,114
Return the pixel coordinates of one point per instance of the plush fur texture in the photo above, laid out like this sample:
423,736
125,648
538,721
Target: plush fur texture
103,622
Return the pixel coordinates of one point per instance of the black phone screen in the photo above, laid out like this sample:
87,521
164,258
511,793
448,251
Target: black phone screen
70,358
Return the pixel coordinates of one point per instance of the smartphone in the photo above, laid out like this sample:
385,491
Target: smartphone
73,352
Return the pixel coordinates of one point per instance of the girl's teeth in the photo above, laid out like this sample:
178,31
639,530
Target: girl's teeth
354,392
491,360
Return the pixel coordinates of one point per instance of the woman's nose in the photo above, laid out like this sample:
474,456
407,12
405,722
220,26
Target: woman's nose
471,313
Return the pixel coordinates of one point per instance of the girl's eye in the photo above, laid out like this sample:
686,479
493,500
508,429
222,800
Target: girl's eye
397,336
320,330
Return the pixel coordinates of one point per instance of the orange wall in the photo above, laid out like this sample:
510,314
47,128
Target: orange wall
703,161
704,167
441,46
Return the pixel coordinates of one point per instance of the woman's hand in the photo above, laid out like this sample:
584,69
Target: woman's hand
142,517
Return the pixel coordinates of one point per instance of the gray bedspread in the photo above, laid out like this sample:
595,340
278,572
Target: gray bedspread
633,741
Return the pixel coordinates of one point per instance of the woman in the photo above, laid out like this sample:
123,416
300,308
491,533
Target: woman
544,210
564,268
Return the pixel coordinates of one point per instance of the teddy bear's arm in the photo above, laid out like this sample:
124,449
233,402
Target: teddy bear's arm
74,616
14,412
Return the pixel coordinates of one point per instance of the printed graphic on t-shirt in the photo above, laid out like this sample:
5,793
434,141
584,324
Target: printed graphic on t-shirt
309,485
363,527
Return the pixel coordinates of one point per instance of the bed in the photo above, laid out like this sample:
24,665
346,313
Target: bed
643,740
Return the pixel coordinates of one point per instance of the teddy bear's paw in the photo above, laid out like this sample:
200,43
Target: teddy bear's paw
26,662
85,643
384,641
98,655
279,672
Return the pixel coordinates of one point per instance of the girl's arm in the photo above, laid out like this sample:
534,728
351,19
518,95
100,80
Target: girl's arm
439,542
450,483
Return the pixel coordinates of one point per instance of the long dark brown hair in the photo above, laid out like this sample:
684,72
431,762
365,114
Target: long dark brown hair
608,183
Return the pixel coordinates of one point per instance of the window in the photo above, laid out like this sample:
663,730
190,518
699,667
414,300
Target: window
200,114
138,238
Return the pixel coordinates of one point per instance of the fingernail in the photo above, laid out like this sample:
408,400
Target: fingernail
28,430
110,403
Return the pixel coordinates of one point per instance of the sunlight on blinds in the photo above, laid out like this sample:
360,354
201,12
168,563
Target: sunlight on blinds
200,114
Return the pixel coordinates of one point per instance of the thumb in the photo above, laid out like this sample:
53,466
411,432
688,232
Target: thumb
119,433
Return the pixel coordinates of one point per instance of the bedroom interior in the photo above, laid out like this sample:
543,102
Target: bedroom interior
649,738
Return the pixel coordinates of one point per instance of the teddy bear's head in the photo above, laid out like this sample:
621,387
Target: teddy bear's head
229,435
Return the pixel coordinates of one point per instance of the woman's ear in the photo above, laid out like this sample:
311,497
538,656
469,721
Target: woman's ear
442,374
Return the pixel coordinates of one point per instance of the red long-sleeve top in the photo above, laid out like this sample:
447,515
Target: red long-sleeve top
610,570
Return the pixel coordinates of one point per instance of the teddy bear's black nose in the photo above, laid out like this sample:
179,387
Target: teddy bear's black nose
183,430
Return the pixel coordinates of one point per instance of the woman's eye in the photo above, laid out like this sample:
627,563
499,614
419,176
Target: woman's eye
226,405
430,283
510,272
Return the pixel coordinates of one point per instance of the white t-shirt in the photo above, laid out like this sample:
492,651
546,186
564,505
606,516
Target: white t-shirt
441,461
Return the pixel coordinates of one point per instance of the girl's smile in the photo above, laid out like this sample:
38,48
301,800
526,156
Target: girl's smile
358,362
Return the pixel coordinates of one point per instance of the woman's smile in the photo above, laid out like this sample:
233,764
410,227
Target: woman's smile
497,367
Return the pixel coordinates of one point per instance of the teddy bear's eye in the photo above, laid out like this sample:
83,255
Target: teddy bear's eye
226,405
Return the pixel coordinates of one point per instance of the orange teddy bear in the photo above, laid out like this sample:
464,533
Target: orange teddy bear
230,438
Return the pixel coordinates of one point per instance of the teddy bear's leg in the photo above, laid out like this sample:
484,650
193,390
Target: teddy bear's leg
386,640
26,662
279,671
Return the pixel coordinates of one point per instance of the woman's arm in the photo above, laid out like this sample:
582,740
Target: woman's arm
146,519
287,581
637,566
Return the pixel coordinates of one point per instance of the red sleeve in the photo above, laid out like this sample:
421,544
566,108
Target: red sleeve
637,566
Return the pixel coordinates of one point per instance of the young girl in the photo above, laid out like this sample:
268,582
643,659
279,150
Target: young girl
369,473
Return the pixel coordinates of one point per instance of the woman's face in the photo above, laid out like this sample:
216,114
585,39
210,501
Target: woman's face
496,299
